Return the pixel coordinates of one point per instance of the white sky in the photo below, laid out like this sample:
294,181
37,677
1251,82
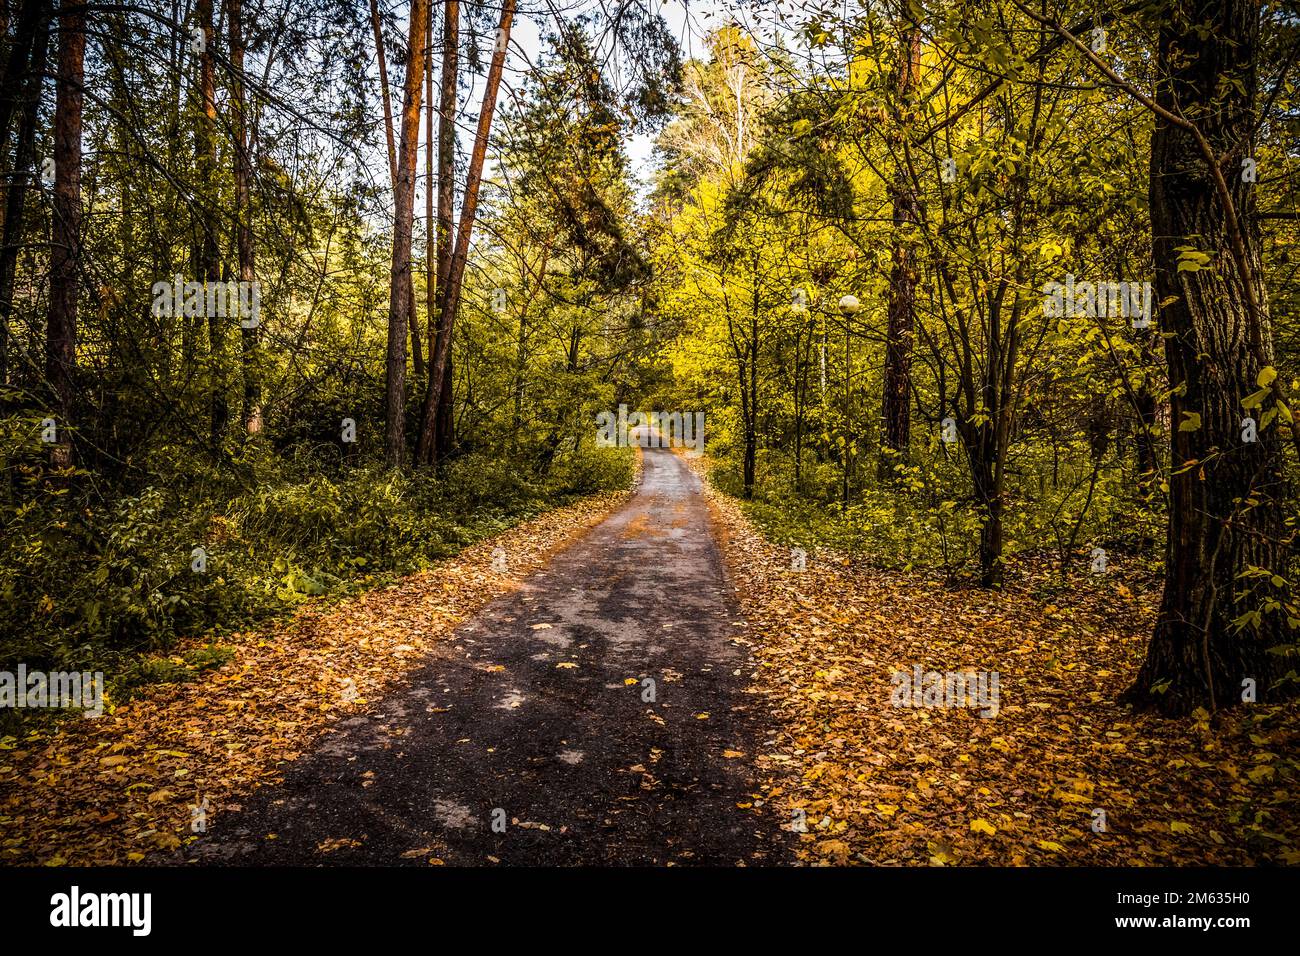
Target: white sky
688,25
689,20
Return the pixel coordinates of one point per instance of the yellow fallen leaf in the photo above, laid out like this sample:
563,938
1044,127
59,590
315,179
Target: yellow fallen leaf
983,826
837,850
1261,774
1065,797
336,843
940,853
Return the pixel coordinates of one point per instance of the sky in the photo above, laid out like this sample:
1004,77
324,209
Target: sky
689,20
688,24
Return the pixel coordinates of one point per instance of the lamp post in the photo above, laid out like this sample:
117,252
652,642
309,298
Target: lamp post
849,307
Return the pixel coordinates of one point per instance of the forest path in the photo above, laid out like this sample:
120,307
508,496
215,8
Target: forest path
536,714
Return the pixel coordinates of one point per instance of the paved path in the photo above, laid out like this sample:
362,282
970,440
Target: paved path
526,717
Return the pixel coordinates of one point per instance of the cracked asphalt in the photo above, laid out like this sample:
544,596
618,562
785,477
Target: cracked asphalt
595,716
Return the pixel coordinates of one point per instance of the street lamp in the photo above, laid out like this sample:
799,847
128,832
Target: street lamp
849,305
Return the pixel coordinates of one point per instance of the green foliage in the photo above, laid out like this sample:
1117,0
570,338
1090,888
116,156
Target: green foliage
96,586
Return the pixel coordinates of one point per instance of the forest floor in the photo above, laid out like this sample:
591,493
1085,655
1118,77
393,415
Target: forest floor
884,784
647,680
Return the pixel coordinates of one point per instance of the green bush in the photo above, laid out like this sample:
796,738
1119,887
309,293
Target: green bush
928,518
111,585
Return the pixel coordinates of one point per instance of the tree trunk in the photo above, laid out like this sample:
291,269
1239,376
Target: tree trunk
21,172
400,298
244,215
430,225
1226,509
445,426
989,495
390,139
433,417
207,258
65,238
896,419
751,419
449,295
22,49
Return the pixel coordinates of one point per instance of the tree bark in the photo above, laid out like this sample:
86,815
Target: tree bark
65,238
252,413
207,258
21,173
443,425
22,49
431,423
416,354
430,224
896,419
1226,495
400,297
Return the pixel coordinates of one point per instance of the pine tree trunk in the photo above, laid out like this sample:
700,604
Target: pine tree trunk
400,297
390,139
449,295
432,420
65,234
